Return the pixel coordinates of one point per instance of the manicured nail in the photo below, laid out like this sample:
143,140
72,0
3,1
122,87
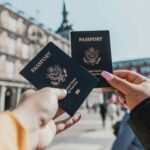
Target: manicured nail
106,75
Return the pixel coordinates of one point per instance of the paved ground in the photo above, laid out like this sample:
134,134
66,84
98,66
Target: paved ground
88,134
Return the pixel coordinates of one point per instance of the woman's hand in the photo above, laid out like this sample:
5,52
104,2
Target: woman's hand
37,110
133,87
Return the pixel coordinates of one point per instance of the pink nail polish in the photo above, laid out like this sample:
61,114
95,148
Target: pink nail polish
106,75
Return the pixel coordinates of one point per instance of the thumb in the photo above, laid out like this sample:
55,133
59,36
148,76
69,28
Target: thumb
60,93
120,84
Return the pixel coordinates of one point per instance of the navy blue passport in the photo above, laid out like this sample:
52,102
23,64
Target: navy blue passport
91,49
51,67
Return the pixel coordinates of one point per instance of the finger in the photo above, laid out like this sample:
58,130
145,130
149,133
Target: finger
120,84
25,95
130,76
28,92
124,105
64,124
60,93
121,97
122,100
59,112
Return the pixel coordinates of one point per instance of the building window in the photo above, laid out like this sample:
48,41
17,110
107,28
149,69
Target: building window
18,47
2,66
25,51
10,70
18,67
145,69
11,46
3,41
32,51
5,19
133,69
12,24
20,26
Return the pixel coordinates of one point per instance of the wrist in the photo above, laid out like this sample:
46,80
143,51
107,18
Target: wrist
29,121
30,124
140,106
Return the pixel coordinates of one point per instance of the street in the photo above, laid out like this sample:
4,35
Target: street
88,134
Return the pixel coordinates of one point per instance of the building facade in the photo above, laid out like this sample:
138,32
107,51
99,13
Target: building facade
20,39
141,66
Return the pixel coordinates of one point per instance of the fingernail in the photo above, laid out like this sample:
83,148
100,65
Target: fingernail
106,75
76,116
65,91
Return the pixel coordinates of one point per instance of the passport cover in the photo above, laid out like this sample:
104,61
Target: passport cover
92,50
51,67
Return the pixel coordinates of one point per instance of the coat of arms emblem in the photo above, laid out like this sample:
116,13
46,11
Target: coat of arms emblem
91,56
56,74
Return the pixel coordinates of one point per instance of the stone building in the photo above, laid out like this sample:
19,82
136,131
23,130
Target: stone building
141,66
20,39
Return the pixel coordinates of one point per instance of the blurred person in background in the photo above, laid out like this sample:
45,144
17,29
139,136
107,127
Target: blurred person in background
31,125
95,107
103,111
87,106
112,109
126,138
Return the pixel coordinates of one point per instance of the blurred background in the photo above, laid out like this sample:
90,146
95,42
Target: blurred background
27,26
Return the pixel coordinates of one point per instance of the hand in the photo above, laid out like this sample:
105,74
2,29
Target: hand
133,87
36,111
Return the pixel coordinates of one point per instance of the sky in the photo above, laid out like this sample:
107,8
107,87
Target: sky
127,20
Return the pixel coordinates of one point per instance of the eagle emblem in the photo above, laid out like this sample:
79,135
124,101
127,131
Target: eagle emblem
56,74
91,56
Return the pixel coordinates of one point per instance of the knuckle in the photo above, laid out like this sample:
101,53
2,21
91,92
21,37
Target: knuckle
25,96
54,100
50,90
27,93
116,81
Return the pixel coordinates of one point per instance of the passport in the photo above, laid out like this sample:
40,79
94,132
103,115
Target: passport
91,49
51,67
